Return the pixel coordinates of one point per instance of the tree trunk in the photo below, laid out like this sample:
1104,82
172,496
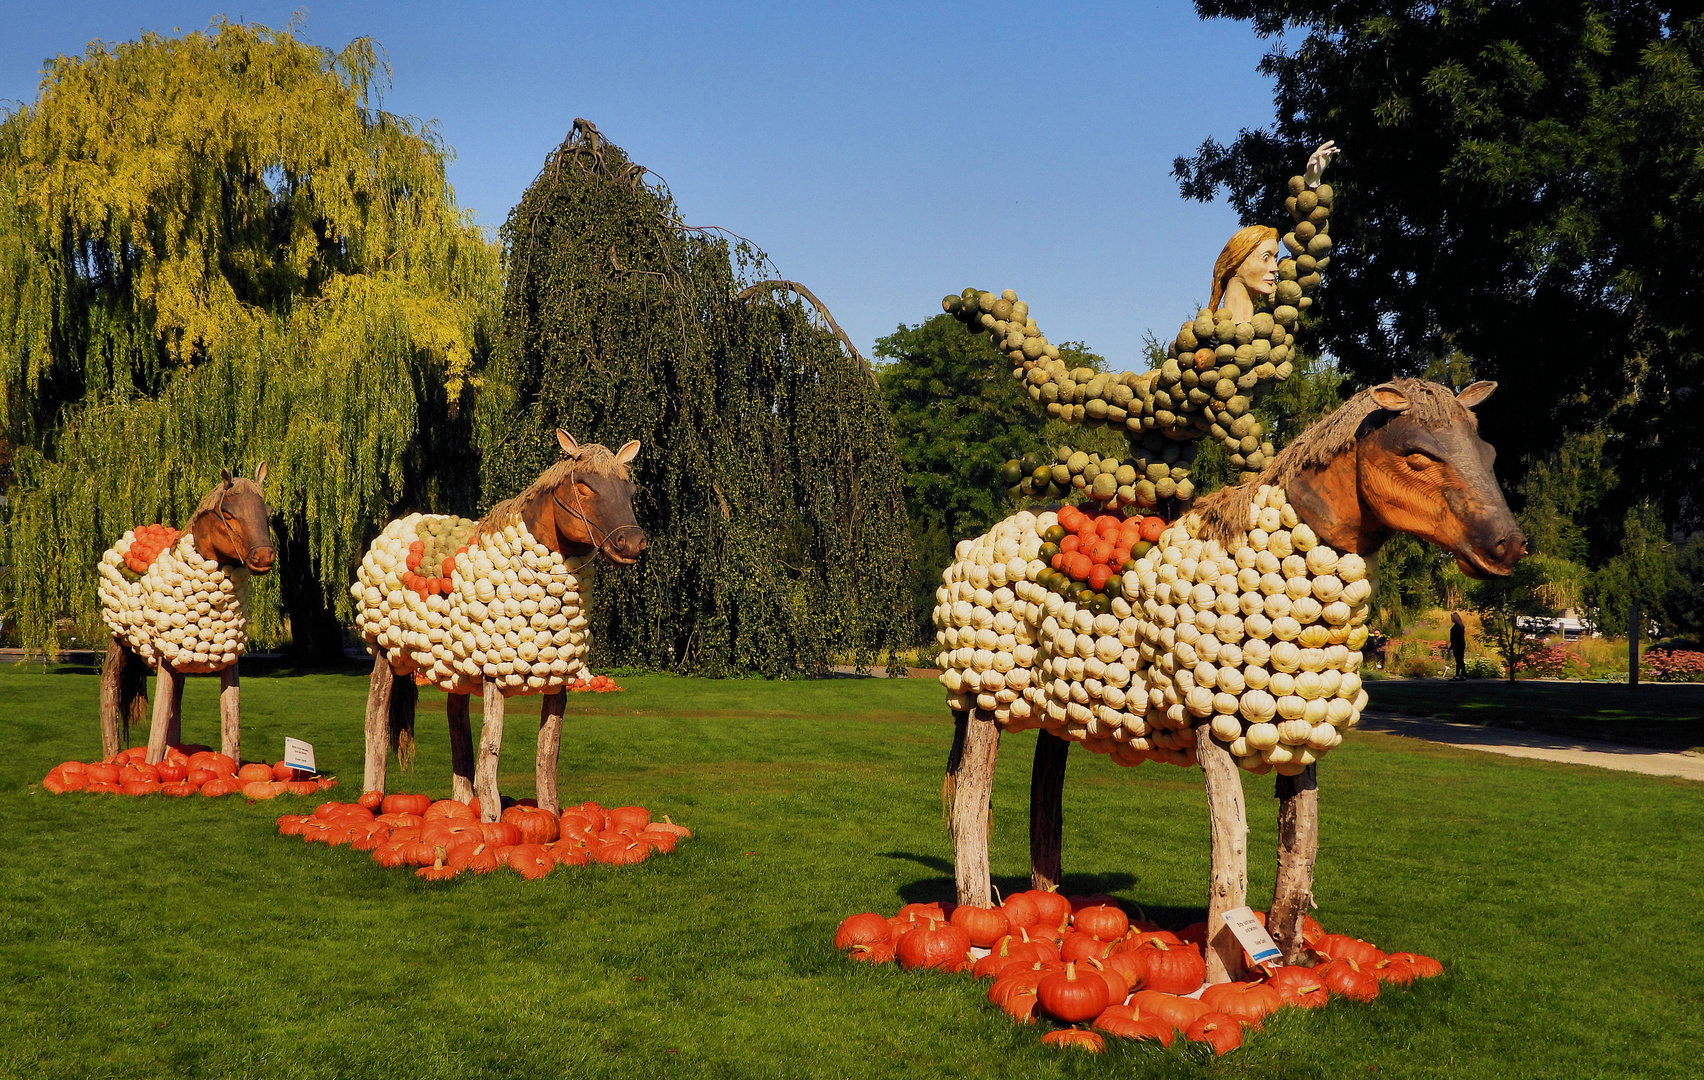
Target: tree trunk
1298,846
1047,810
490,749
1229,885
1633,644
549,743
316,635
970,776
168,705
379,687
404,696
124,680
230,714
461,747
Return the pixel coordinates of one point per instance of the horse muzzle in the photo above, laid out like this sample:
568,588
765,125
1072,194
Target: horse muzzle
625,545
260,560
1496,559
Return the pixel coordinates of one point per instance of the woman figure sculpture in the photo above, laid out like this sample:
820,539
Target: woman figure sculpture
1235,348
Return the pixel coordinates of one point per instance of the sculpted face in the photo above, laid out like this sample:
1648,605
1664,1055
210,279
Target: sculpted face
1259,272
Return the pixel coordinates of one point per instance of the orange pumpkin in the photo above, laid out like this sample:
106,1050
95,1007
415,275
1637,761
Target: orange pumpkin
1247,1001
536,826
934,944
863,929
1346,977
531,861
1221,1032
1075,1039
1073,996
983,925
1180,1011
1131,1022
1300,987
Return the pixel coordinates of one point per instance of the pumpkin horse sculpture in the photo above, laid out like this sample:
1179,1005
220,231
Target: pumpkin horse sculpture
1235,641
178,603
495,607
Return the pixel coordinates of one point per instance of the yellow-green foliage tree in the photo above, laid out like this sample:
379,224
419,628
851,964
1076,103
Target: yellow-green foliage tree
215,250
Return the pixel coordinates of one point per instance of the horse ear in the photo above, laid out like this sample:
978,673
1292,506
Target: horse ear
225,475
567,443
1390,398
627,453
1475,395
260,474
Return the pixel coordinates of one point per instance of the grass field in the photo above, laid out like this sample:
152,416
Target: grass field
182,938
1668,716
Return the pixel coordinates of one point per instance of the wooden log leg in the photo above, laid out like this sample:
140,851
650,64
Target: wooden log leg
490,747
972,782
379,686
549,743
112,721
1229,888
174,729
230,714
1047,810
461,748
168,691
405,696
1298,847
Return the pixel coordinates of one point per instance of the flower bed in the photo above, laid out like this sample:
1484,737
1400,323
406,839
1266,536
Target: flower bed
179,773
442,839
1081,960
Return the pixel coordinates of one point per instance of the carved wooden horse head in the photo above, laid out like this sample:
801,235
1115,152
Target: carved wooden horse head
583,505
230,526
1404,456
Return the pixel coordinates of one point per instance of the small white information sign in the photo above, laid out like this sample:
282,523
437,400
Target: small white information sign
1253,936
300,755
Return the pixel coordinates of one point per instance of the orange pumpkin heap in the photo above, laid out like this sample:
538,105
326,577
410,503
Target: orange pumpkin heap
446,837
1128,978
178,774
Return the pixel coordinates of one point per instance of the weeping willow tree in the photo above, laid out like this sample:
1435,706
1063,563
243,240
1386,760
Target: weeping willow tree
216,250
767,482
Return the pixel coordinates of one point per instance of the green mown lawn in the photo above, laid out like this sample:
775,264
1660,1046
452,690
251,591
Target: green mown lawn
1667,716
182,938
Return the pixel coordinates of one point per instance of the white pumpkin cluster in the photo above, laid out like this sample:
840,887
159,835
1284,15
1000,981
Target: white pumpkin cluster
1260,645
512,613
184,609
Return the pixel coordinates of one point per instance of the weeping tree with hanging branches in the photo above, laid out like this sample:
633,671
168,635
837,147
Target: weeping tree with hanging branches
768,481
216,250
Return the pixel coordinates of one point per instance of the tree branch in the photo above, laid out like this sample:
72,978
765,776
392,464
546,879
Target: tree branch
822,309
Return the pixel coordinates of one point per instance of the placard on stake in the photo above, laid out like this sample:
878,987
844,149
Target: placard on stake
299,755
1253,936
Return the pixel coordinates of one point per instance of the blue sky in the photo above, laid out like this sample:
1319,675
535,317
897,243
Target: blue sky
883,154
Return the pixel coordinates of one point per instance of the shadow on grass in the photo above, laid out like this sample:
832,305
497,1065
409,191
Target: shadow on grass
943,890
1665,716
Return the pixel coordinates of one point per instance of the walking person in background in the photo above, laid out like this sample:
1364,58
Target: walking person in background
1458,644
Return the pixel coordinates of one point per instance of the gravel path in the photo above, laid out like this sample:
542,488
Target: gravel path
1537,745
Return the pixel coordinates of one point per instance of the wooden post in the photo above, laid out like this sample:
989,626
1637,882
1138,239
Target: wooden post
490,747
230,715
379,685
404,697
461,748
112,720
549,743
1047,810
1633,644
1229,826
168,698
1298,846
971,776
174,728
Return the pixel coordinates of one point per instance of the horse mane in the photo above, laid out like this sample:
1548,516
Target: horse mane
594,458
1224,514
239,485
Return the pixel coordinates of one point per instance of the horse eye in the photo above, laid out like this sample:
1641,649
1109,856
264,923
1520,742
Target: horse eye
1418,461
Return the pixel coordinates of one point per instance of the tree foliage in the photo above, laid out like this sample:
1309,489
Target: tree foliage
215,250
767,480
1538,589
959,416
1521,181
1643,571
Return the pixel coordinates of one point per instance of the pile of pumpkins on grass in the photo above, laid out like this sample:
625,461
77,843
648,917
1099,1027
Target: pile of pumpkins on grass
181,772
1082,960
444,838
